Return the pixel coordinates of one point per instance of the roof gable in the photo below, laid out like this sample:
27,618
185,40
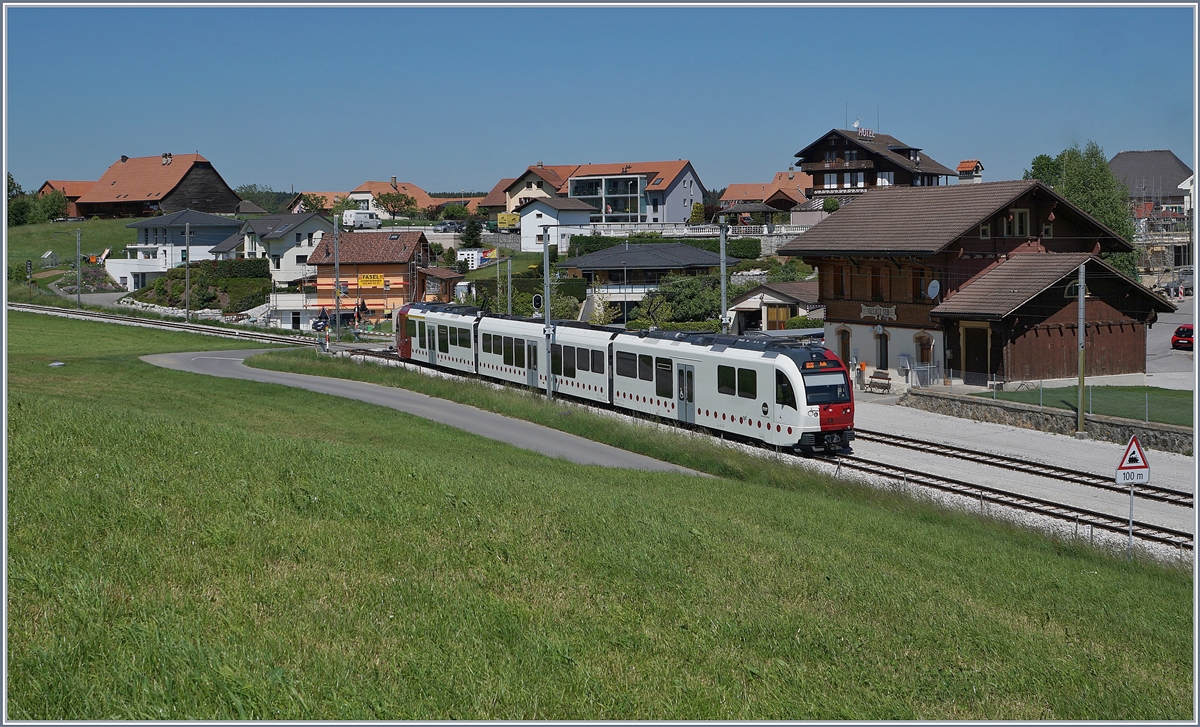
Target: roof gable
375,189
69,188
1148,173
187,217
142,179
879,145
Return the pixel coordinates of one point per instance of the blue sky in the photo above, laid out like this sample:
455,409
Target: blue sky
456,98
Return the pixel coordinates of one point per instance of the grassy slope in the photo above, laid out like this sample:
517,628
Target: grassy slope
1167,406
28,242
181,546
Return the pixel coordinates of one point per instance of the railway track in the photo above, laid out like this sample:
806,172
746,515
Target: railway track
1037,469
984,493
207,330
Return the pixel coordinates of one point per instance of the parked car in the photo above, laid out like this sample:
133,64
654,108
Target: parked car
447,226
1182,337
360,219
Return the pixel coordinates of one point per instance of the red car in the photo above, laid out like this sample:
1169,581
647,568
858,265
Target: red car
1182,337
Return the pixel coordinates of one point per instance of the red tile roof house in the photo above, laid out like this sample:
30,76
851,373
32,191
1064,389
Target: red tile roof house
975,279
143,186
295,205
634,192
784,192
71,190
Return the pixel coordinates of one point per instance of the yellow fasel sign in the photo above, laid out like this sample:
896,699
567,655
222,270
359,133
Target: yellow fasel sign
370,280
507,221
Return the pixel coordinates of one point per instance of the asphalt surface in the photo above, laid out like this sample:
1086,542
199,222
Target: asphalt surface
550,442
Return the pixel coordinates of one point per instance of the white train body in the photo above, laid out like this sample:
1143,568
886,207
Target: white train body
782,394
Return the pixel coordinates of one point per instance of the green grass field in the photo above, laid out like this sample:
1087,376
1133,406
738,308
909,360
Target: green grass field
189,547
1165,406
28,242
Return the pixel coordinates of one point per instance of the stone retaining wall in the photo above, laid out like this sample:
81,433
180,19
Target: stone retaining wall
1163,437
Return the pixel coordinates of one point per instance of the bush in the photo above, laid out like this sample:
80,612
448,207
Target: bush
803,322
573,287
19,210
695,326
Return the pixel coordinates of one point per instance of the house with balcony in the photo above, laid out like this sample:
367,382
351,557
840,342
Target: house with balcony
143,186
617,193
844,163
975,282
285,240
160,244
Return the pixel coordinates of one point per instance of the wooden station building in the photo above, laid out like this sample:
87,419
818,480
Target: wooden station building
975,281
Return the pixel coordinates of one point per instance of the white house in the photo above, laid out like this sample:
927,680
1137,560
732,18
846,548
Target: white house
160,245
564,217
285,240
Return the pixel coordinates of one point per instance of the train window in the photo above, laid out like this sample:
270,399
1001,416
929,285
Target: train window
726,380
421,334
826,388
597,362
464,337
453,336
568,361
645,367
519,352
508,351
583,359
533,357
626,364
443,339
556,359
432,338
691,387
747,383
662,377
410,328
784,395
487,343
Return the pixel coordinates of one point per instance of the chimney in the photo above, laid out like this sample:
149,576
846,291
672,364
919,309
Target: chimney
539,163
393,181
124,158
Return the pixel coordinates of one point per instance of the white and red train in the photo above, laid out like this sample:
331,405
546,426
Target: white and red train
781,393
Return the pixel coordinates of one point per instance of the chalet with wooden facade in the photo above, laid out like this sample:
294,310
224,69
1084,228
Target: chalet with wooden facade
769,306
72,190
975,280
144,186
380,271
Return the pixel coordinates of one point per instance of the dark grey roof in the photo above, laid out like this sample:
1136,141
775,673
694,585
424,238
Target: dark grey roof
246,207
653,256
879,145
229,244
273,227
923,220
560,203
1154,173
1014,282
189,216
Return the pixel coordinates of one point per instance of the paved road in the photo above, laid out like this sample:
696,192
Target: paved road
1160,358
552,443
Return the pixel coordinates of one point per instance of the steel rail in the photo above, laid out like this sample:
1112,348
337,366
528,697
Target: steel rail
1038,469
1057,510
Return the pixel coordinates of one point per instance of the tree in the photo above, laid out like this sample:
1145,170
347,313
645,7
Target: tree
473,235
455,212
14,189
1045,169
449,256
431,212
312,202
686,298
262,195
603,312
19,208
831,205
396,204
1086,181
341,204
49,207
697,217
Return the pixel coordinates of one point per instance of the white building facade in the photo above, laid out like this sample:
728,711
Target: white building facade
552,220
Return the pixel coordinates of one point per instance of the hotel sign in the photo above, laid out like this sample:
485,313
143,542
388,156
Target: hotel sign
370,280
878,312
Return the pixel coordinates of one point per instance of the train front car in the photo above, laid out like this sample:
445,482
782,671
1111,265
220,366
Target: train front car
824,398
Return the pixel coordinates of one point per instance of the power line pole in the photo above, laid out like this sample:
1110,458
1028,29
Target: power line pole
78,271
187,281
337,285
1080,431
724,300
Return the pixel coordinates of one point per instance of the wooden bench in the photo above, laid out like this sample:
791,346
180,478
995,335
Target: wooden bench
879,381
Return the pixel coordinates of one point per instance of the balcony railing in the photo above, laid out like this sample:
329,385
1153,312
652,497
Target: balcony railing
836,165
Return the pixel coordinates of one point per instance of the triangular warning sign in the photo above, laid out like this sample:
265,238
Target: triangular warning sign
1134,458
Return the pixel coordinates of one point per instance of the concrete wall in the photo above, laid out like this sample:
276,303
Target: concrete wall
1163,437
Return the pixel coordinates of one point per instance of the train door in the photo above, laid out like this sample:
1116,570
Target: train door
406,329
531,356
787,410
687,393
431,343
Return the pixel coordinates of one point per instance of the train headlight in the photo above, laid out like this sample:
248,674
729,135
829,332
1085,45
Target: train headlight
814,411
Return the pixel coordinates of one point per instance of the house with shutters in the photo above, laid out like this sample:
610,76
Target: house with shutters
975,283
144,186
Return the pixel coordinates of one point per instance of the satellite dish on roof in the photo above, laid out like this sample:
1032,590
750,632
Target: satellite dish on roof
934,288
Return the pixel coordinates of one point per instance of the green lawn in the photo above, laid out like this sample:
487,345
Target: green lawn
186,547
1166,406
28,242
521,263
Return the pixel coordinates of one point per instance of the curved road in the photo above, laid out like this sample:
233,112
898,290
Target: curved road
550,442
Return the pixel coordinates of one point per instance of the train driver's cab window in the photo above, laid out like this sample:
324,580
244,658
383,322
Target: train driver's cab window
410,328
626,365
747,383
830,387
443,339
519,352
645,367
784,395
727,380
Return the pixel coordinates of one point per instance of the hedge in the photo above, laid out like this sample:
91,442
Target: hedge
698,326
804,322
216,269
745,248
574,287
